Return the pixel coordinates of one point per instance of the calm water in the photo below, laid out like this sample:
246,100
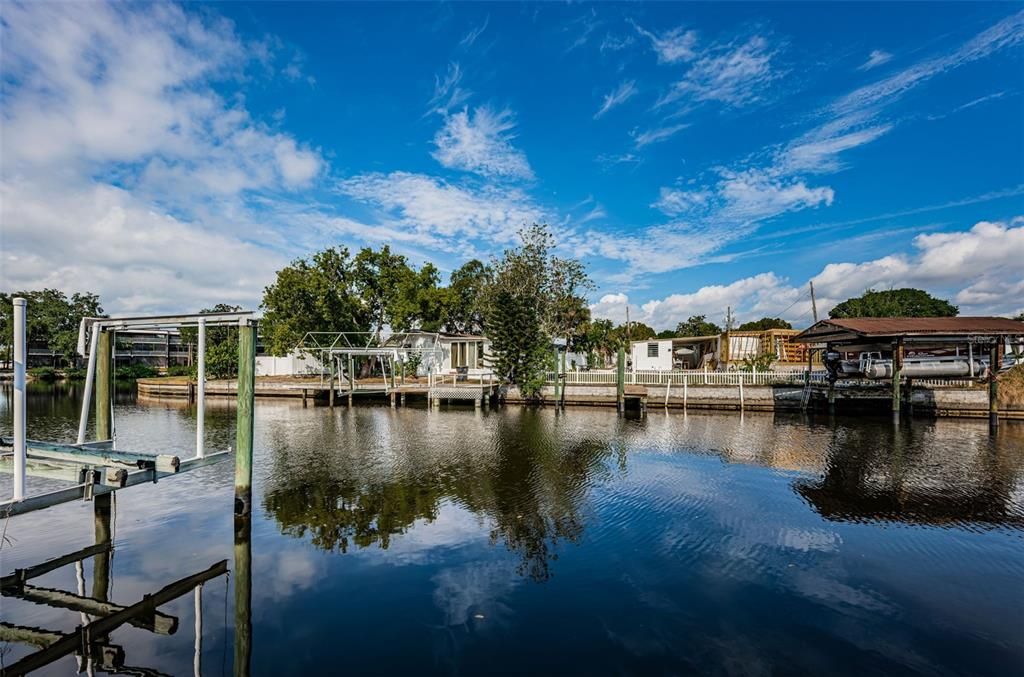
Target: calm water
520,541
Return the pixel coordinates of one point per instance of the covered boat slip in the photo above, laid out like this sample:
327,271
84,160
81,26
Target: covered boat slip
901,349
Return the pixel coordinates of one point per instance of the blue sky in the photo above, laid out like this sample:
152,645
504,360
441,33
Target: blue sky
696,157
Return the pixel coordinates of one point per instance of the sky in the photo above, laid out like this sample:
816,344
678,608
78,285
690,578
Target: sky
699,158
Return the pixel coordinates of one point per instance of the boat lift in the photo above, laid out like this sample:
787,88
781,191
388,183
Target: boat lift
99,467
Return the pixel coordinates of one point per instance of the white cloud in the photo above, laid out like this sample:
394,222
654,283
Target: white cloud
471,37
619,95
448,95
656,135
481,143
100,93
672,46
978,268
734,74
757,195
674,202
876,58
822,155
428,205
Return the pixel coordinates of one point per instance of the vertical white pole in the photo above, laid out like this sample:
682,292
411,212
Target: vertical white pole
741,391
686,381
201,391
90,375
196,662
20,355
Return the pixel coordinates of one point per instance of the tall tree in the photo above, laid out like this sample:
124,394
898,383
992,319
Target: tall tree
697,325
907,302
463,298
764,324
314,294
533,297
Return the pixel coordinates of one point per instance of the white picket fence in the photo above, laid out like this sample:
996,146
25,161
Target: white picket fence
652,377
728,378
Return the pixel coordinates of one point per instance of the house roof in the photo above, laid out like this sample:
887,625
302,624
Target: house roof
855,328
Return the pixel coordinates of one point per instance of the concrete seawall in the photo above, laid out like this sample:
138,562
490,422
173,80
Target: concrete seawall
925,401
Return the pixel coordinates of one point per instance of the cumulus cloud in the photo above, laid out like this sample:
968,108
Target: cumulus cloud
115,130
978,268
481,143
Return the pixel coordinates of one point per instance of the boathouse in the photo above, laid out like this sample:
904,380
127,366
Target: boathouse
899,349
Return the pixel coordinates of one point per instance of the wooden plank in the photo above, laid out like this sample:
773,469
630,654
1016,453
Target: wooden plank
20,576
25,635
104,626
160,623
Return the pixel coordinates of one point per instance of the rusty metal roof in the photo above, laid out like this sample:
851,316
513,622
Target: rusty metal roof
863,327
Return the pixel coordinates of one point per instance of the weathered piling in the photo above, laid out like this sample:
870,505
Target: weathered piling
243,595
244,423
993,385
620,380
104,385
102,512
897,366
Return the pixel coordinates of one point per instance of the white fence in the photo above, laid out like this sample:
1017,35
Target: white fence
726,378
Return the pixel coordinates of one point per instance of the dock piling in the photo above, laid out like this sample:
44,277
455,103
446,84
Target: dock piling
620,380
244,423
897,366
20,360
104,385
993,386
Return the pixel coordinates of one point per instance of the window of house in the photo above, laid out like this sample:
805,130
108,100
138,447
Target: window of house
652,350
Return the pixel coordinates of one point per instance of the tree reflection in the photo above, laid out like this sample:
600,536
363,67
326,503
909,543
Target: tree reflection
899,474
525,482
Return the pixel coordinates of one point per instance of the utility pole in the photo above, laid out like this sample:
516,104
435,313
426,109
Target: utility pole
629,333
728,318
814,304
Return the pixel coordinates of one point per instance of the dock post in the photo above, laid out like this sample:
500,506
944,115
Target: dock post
993,386
557,376
685,388
90,378
897,366
564,376
20,360
244,418
243,595
403,399
668,389
741,391
620,379
201,391
101,510
330,388
393,400
351,379
104,385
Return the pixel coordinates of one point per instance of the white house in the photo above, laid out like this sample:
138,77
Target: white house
463,351
691,352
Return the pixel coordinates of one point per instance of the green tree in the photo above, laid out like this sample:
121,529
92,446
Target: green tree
52,319
316,294
764,324
907,302
221,344
463,307
667,334
697,325
533,297
636,331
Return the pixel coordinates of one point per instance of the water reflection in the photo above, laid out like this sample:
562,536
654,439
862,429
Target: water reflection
528,486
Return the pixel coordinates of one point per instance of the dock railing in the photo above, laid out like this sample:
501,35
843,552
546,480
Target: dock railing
697,377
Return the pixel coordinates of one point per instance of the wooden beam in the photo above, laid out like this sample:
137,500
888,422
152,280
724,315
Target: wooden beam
160,623
21,576
25,635
101,627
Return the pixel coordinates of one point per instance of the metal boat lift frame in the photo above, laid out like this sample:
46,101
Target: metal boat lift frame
98,468
338,350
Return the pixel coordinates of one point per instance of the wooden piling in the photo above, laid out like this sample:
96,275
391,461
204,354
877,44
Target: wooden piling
993,385
897,366
351,379
244,417
557,377
620,380
102,512
330,388
105,385
243,596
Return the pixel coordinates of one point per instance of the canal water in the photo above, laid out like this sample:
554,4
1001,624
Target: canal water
521,541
